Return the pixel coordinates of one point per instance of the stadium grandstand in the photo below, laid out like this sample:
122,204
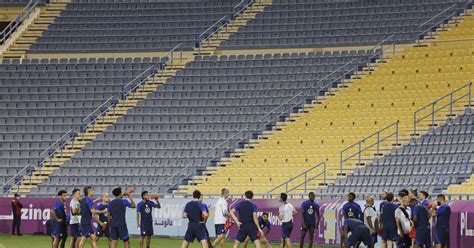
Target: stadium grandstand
276,96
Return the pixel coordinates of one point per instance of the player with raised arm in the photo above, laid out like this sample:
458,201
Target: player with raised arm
117,210
59,214
248,224
145,217
195,212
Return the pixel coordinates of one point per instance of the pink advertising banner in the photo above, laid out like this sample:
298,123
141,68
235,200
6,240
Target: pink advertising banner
461,224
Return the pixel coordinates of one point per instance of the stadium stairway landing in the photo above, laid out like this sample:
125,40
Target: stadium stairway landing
392,92
34,26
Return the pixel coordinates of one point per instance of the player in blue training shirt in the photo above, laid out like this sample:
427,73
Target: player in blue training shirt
423,195
442,213
59,213
359,233
387,222
145,218
195,212
204,221
117,209
87,210
421,220
263,222
311,216
352,209
248,224
102,219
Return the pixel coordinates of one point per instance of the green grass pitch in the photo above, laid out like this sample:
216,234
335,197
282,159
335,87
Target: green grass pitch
43,241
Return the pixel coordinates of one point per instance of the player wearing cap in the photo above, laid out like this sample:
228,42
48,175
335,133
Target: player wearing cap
145,217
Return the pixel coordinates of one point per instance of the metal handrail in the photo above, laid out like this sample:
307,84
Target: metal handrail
172,177
133,85
13,25
251,2
432,18
213,25
306,180
91,118
446,173
427,30
435,102
377,143
57,141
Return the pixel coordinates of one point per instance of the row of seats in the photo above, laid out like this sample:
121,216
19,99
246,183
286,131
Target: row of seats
170,133
325,23
420,162
130,25
392,92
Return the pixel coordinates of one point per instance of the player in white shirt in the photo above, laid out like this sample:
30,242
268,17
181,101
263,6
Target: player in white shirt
403,218
75,209
285,214
221,213
370,216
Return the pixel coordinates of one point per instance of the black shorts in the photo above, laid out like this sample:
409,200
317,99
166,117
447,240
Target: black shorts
248,229
195,231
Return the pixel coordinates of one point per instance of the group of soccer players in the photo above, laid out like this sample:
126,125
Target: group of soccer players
110,218
250,225
402,221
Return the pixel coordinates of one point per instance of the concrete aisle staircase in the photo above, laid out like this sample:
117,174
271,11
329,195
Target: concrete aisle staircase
34,26
211,45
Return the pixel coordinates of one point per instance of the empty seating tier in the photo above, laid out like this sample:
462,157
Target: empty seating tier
432,162
198,115
106,26
41,100
310,23
392,92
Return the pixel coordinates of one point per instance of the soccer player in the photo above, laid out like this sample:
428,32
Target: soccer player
195,212
387,219
403,217
117,209
310,219
102,219
285,214
421,221
74,223
221,213
145,217
59,214
370,217
352,209
263,222
423,195
359,233
413,194
248,224
442,213
87,211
